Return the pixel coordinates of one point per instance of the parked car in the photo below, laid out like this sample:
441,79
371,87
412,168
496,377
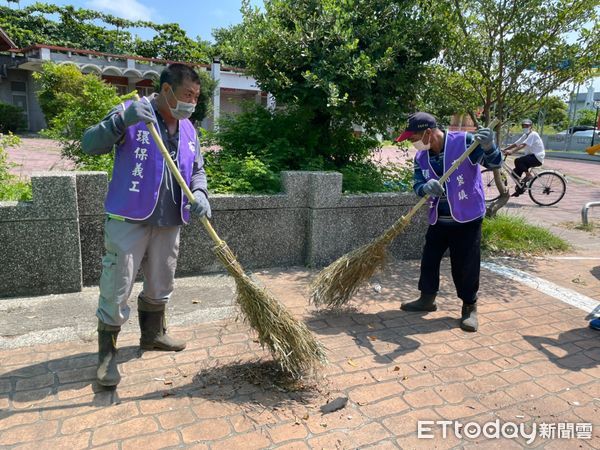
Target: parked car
587,133
577,129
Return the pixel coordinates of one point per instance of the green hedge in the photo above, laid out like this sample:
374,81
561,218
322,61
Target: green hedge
12,118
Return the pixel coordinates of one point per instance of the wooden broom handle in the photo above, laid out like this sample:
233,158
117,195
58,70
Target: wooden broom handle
449,172
175,171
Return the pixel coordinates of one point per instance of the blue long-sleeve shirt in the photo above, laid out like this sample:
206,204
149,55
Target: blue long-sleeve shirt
490,160
102,137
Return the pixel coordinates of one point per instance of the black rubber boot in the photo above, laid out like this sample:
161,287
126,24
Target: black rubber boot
154,330
107,373
426,302
468,320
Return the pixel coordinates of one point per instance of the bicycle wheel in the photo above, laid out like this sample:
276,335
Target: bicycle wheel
489,185
547,188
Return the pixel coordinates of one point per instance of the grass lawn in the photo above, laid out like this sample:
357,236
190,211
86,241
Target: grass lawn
506,235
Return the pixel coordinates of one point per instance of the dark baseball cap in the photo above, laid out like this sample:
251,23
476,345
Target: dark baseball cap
418,121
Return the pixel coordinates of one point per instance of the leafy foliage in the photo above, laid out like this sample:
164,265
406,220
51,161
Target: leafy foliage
351,61
229,43
551,110
72,102
11,188
11,118
207,88
329,65
506,55
257,144
67,26
586,117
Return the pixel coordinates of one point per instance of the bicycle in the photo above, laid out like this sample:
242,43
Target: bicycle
546,188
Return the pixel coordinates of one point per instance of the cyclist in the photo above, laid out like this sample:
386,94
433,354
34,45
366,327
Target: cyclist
533,157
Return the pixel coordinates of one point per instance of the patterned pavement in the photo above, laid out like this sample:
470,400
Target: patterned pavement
533,363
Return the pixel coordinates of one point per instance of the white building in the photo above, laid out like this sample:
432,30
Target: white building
126,72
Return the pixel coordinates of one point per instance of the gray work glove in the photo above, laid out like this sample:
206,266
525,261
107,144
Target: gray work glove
200,206
485,137
138,112
434,188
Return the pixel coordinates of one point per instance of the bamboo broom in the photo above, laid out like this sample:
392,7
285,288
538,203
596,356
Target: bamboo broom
291,343
339,281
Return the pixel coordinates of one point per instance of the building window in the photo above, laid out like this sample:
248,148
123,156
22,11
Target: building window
19,97
18,86
121,90
144,91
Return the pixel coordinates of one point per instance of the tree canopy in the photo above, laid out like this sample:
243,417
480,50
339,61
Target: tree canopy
67,26
348,61
505,55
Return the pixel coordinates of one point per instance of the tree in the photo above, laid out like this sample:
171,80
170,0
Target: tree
207,88
66,26
586,117
345,61
172,43
72,102
512,53
229,43
551,110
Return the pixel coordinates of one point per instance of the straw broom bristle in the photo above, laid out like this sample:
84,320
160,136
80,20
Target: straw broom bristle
339,281
291,343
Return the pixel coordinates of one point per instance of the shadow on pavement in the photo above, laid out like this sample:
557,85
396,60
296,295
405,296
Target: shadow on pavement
406,325
573,357
58,375
596,272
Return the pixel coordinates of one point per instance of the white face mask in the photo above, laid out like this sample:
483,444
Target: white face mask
183,110
420,145
527,130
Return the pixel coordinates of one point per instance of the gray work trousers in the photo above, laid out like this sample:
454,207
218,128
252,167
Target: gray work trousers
130,246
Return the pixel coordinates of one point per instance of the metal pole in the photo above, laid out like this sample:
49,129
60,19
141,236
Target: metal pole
572,121
596,128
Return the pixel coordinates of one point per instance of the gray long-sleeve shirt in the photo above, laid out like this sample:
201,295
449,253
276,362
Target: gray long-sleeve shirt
101,138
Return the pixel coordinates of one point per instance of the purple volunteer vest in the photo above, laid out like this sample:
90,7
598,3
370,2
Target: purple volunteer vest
464,189
139,168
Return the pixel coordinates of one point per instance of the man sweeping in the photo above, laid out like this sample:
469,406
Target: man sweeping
145,209
456,209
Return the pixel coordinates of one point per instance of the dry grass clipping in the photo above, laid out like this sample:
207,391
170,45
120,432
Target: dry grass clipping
290,341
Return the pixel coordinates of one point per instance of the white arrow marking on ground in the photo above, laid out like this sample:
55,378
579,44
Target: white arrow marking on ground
565,295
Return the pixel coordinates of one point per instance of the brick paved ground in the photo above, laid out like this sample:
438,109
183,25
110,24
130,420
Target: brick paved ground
534,360
36,153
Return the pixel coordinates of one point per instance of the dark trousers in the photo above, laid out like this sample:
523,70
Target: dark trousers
464,242
524,163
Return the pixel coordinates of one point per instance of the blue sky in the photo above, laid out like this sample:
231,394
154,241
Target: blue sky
197,18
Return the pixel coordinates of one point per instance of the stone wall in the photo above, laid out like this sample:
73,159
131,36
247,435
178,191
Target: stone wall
55,243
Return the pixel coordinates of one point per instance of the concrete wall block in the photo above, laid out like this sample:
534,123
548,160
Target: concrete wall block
325,189
336,231
55,243
39,257
258,238
54,197
91,190
296,186
41,248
